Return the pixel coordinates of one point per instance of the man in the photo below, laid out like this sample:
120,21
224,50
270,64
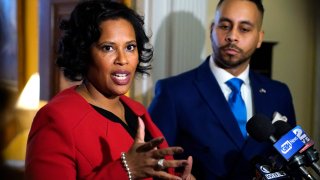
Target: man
193,111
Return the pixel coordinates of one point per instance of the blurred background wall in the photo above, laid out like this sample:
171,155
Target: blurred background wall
19,60
179,31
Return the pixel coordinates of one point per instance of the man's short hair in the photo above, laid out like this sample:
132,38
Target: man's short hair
258,3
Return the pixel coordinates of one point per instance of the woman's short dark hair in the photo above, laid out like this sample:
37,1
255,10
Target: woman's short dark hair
82,30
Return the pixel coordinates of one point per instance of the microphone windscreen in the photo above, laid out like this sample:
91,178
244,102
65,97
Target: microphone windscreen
281,128
260,127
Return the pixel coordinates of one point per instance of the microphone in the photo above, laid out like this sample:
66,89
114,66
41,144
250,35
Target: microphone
281,128
308,150
264,169
260,128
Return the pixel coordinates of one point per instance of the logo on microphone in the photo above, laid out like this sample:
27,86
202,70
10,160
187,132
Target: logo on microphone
286,147
301,134
265,169
266,172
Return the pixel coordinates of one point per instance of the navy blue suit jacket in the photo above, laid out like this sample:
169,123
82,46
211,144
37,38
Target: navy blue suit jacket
191,111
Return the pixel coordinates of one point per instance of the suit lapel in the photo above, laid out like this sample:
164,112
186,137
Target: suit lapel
259,95
212,94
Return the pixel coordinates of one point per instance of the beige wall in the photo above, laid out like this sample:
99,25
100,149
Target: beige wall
291,23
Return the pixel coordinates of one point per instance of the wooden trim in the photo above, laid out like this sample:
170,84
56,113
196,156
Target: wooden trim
22,79
44,48
49,73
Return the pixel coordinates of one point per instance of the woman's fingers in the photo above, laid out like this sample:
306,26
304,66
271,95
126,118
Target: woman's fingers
139,139
153,158
164,164
186,175
165,175
160,153
150,145
140,131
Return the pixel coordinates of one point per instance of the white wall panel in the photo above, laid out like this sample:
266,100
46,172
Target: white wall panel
178,36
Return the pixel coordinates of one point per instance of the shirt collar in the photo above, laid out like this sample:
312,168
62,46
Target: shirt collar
222,75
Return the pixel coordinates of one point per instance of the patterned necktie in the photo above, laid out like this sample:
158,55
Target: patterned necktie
237,104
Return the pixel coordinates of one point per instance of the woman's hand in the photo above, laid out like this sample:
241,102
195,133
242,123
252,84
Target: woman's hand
143,158
186,175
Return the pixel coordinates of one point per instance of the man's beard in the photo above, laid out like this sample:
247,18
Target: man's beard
226,62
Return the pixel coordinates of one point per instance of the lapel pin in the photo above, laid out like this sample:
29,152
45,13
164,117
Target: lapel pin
262,90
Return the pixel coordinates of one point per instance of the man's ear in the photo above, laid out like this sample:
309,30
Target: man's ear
211,27
211,30
261,36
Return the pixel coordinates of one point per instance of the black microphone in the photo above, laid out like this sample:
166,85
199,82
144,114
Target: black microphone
265,170
281,128
260,128
308,150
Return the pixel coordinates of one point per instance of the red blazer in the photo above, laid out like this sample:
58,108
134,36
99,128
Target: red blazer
69,140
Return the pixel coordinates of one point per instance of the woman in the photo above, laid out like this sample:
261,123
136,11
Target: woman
93,131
